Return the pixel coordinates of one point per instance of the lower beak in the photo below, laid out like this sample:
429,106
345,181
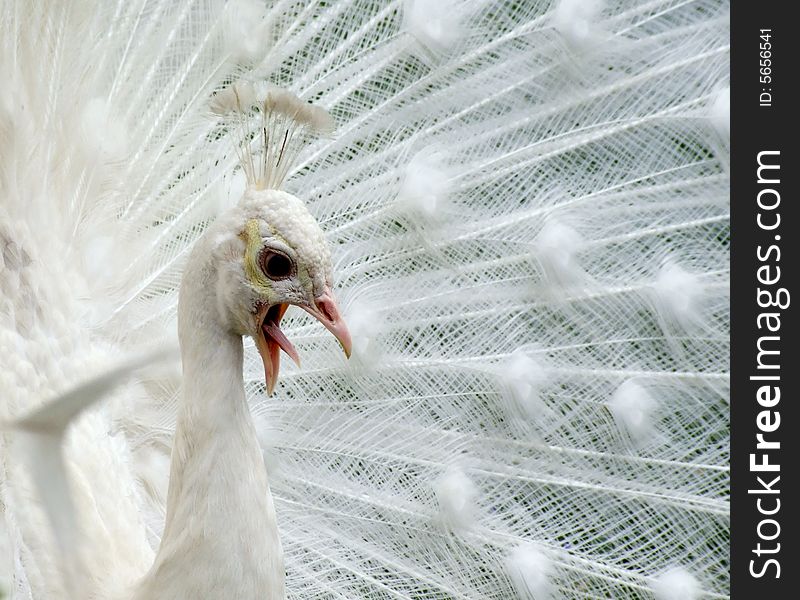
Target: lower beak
270,340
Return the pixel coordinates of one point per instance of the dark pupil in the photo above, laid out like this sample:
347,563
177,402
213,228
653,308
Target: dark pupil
278,266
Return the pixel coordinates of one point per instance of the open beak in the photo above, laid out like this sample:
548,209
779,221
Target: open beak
326,312
270,340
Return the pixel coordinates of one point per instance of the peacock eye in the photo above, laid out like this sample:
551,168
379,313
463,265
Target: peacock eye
276,265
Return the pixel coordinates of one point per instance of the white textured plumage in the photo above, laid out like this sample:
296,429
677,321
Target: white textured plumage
527,209
676,583
530,571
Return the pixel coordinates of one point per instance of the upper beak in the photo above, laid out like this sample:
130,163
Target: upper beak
326,312
270,340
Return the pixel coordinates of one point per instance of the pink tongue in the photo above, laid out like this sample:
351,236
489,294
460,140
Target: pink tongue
271,330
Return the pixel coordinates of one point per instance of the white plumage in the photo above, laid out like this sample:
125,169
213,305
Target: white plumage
526,204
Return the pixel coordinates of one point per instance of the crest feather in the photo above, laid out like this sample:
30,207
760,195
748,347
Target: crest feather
270,128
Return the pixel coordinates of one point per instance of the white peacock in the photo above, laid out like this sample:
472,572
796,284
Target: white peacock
525,216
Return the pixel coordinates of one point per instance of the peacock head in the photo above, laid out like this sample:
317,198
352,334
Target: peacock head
278,255
274,255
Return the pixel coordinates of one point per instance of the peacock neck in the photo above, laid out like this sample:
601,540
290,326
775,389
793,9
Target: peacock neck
220,536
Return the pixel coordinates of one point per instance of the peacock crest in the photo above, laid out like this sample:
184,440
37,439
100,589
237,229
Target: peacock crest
269,128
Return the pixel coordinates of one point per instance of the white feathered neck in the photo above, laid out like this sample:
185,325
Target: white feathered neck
220,532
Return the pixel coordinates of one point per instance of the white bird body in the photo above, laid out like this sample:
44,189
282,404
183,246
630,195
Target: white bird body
221,535
525,217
